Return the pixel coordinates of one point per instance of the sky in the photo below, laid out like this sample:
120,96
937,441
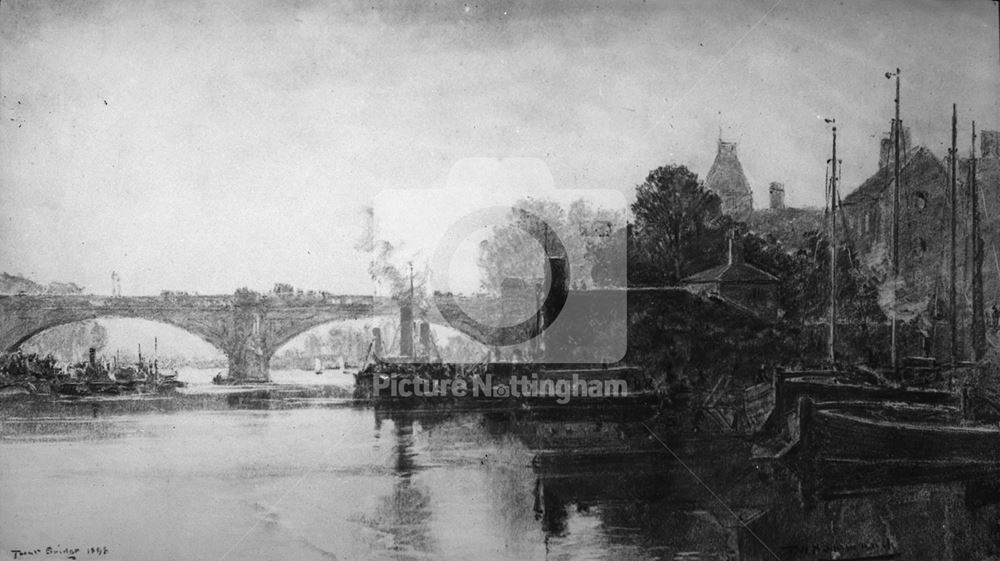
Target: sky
205,146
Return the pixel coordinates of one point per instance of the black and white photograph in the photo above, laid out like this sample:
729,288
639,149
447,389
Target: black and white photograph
678,280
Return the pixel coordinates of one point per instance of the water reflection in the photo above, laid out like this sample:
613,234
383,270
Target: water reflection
261,476
401,518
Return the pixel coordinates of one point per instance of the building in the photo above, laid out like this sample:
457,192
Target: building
739,283
777,193
924,203
727,180
924,228
779,223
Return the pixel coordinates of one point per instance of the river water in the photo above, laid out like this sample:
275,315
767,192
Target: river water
275,476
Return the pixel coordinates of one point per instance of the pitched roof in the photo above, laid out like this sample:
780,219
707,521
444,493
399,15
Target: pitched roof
731,273
726,174
916,160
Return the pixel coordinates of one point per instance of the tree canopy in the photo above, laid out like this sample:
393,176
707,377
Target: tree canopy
674,215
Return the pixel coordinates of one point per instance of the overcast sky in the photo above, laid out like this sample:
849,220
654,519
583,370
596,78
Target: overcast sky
204,146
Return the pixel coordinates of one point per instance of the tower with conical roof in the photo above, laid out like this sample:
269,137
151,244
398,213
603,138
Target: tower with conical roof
727,180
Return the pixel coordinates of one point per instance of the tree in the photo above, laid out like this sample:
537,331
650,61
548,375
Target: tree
512,252
673,213
69,342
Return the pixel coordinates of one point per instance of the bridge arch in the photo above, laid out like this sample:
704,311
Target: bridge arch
43,326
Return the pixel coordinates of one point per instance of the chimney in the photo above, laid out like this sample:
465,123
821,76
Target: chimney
885,150
377,341
425,338
727,147
777,191
735,251
989,143
406,330
886,147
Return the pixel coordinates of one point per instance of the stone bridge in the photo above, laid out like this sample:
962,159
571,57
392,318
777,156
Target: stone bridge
247,327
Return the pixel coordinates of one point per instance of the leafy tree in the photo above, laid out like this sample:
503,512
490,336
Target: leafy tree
512,251
673,213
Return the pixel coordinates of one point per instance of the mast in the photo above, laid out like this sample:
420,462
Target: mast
406,323
897,125
831,349
978,313
413,348
953,293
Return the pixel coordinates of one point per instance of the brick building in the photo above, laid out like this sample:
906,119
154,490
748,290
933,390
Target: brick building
924,229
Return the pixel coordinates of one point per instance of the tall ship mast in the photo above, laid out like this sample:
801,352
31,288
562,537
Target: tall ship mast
896,130
832,193
978,311
953,223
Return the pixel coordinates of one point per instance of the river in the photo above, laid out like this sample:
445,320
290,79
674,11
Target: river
323,478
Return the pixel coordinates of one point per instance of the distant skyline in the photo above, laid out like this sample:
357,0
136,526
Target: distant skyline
205,146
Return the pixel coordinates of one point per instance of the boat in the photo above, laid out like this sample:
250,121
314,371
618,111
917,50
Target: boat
169,382
839,451
420,372
71,388
913,380
770,409
821,389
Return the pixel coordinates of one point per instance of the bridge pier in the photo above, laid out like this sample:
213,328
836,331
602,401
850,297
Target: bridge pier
248,365
246,347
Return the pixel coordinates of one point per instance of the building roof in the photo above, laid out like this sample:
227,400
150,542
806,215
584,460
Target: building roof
918,160
786,225
732,273
726,174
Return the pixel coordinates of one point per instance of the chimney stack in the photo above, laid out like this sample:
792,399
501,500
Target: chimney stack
989,144
377,342
425,338
735,250
886,147
777,191
406,330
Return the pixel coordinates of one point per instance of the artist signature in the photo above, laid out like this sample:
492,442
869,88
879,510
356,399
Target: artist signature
61,551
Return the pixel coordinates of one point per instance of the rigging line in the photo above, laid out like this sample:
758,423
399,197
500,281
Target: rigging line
849,234
986,217
826,195
709,489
